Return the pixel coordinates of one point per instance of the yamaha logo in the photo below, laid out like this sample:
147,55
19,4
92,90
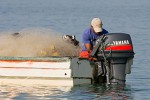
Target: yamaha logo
121,42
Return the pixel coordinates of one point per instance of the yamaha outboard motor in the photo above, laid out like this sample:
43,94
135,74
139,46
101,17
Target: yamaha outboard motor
114,52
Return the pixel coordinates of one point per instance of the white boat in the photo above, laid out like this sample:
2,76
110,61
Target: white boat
53,71
114,53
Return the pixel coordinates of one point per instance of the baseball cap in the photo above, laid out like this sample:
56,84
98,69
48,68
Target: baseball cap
97,24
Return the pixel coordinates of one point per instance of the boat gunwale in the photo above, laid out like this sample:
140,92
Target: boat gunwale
37,59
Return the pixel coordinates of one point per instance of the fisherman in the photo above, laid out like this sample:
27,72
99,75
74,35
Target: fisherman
90,35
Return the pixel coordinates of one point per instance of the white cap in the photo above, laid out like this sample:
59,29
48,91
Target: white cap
97,24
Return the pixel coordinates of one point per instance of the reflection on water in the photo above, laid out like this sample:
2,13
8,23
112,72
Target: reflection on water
87,92
29,92
114,92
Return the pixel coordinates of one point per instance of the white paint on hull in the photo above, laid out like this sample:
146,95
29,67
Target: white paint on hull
35,72
47,82
32,72
34,64
29,82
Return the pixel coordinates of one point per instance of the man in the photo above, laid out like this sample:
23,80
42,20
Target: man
90,35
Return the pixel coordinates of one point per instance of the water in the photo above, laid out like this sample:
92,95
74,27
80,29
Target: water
73,17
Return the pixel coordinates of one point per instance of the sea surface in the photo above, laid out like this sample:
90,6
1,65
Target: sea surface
73,17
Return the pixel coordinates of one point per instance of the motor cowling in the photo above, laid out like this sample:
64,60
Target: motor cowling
115,52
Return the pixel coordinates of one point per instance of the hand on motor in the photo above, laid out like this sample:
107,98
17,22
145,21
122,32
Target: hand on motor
86,54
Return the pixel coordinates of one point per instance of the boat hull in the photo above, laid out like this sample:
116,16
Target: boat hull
52,71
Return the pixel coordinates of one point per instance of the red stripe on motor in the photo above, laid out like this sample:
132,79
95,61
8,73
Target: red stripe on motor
120,47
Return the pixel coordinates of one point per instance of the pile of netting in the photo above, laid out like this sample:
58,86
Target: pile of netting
35,43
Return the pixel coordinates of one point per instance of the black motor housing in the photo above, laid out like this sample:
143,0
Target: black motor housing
115,52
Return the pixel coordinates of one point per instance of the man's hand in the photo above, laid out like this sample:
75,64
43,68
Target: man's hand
86,54
92,59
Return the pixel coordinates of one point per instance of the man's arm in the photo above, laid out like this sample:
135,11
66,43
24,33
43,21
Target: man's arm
86,40
88,46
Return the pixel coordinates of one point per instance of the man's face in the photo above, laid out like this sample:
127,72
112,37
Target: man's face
94,30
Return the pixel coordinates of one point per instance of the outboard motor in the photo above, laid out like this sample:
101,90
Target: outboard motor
115,54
